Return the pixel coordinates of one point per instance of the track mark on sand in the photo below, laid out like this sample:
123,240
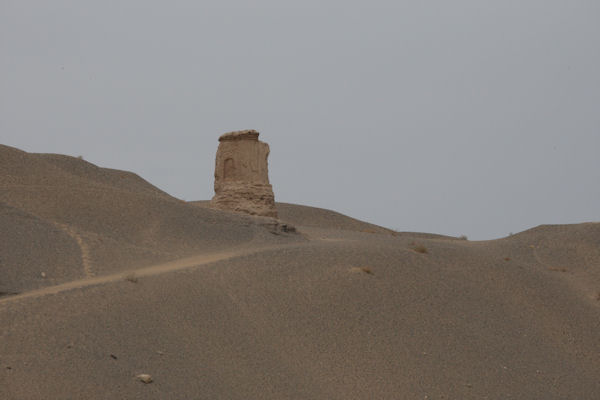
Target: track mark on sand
548,266
86,259
170,266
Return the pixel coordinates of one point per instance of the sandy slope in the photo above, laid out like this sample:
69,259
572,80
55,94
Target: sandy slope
58,212
340,312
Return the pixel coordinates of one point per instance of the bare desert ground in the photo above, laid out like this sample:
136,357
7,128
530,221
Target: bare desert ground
104,277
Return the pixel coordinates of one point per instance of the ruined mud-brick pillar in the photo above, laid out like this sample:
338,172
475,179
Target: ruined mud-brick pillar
242,176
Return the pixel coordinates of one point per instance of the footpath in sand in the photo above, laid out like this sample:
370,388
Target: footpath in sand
137,273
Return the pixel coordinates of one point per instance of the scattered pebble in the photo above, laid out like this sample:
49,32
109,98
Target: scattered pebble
43,274
113,356
144,378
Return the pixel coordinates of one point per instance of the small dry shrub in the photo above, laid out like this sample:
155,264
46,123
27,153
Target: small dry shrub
557,269
420,249
131,278
365,270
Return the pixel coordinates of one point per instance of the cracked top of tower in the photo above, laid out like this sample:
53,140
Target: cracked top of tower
248,134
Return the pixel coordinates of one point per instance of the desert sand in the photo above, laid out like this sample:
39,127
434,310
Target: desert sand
104,277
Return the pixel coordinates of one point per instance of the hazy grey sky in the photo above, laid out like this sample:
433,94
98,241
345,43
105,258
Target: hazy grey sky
456,117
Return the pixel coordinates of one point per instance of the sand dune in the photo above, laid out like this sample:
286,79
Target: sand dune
214,305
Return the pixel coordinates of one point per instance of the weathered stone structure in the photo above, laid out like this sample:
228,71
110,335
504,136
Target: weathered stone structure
242,176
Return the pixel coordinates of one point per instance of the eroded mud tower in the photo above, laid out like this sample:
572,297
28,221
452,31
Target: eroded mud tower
242,175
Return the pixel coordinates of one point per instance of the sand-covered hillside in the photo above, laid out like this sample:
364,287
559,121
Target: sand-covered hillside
105,277
69,219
